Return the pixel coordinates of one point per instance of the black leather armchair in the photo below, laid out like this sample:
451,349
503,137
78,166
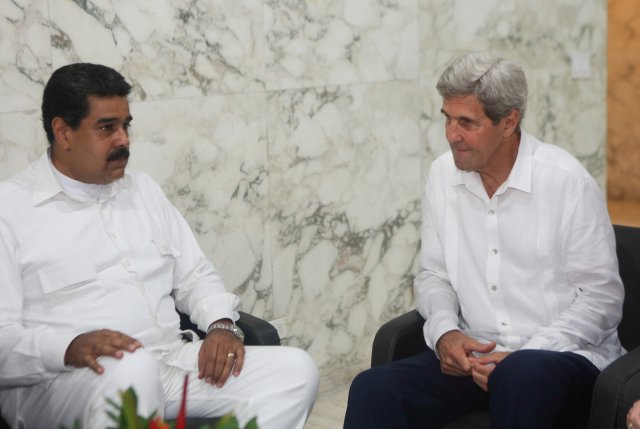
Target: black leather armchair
617,387
257,332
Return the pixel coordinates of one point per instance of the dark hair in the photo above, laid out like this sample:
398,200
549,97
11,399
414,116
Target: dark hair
66,93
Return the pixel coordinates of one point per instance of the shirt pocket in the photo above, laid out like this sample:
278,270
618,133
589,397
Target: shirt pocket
75,271
165,248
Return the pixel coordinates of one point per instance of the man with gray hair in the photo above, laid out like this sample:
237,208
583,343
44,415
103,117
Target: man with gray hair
519,283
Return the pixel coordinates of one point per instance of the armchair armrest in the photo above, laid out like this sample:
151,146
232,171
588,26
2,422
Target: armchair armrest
616,389
398,338
257,332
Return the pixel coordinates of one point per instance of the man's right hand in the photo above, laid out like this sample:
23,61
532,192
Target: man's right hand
454,349
84,350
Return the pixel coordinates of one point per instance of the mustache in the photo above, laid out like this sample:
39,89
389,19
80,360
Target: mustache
120,153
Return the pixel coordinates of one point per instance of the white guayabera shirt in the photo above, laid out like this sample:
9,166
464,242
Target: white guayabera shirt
76,258
533,267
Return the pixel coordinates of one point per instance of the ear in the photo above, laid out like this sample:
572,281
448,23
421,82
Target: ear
511,122
61,133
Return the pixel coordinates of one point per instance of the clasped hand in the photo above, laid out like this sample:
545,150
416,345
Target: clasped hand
457,358
221,354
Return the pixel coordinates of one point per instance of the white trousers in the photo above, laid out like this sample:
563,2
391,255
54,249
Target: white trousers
278,385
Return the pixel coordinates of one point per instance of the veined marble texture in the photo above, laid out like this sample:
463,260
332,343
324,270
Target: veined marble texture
534,34
22,141
315,43
295,135
210,155
24,54
345,197
167,49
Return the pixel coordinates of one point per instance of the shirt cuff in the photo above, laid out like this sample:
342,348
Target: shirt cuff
54,347
437,328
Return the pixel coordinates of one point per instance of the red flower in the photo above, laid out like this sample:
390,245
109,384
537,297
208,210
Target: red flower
181,422
157,423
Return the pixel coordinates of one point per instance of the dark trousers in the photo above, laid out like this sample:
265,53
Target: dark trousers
534,389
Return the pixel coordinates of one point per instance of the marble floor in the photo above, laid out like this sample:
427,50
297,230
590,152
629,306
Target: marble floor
328,413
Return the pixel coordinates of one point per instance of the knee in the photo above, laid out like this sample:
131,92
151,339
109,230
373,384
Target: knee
139,370
300,365
371,383
521,368
140,366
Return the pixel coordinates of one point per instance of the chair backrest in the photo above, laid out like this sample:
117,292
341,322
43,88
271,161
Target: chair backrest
628,250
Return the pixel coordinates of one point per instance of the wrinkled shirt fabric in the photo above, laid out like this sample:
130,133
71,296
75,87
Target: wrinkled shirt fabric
532,267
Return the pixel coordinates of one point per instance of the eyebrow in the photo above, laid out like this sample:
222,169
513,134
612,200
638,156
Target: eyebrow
110,120
456,117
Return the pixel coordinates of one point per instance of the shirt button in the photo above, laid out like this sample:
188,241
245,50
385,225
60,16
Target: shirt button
126,263
494,288
492,212
503,324
494,251
113,235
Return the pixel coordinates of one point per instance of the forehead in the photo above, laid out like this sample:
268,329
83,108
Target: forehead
463,106
116,108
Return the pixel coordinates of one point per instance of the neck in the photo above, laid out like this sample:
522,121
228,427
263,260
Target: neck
497,174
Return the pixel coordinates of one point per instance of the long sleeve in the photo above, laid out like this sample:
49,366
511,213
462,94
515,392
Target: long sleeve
436,300
28,355
587,251
198,289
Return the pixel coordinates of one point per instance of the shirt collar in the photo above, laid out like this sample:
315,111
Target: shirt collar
520,175
46,185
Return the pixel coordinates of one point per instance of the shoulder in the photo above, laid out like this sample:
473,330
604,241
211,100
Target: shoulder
553,158
17,184
141,180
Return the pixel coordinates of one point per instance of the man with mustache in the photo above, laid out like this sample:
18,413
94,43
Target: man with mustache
94,260
519,281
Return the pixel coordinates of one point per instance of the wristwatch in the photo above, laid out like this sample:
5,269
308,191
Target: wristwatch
231,327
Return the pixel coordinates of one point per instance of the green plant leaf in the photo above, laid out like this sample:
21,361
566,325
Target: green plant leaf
252,424
228,421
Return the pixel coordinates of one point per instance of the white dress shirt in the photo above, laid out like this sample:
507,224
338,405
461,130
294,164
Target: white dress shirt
533,267
76,258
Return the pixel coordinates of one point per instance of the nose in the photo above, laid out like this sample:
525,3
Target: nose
452,131
122,137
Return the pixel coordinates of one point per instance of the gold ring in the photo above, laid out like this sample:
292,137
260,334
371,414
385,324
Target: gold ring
231,355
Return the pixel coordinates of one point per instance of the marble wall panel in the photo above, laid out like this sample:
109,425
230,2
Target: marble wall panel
296,136
311,43
210,156
22,140
167,49
24,54
562,110
344,192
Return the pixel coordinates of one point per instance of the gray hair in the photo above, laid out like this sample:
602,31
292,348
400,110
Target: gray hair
499,84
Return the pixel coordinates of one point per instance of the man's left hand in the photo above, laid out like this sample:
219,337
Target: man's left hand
221,354
482,367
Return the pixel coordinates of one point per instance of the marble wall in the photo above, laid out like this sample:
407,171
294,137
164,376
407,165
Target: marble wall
623,126
295,136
